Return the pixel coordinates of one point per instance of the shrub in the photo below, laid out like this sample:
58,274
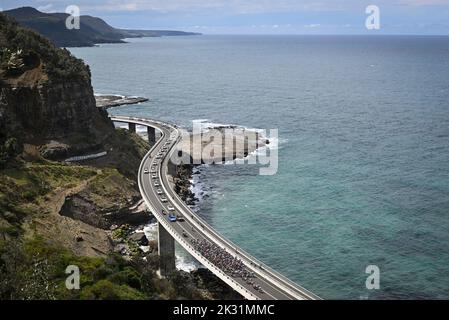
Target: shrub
9,150
128,276
58,63
29,195
107,290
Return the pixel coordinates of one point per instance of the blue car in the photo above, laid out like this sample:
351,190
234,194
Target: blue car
172,218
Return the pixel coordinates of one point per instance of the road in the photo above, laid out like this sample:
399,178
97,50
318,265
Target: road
266,284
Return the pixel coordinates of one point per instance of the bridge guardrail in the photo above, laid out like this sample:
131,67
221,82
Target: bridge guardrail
186,245
293,287
287,284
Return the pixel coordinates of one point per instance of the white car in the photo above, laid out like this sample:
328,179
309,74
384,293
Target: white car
154,176
164,199
146,171
170,208
159,191
157,184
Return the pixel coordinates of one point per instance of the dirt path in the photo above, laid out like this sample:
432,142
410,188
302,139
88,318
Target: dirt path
81,238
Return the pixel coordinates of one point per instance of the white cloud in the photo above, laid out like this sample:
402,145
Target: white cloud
230,6
313,25
45,8
252,6
423,2
235,6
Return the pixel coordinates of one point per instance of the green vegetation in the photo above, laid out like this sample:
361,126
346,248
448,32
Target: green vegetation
122,232
35,269
25,185
11,61
22,49
135,144
109,184
9,150
37,241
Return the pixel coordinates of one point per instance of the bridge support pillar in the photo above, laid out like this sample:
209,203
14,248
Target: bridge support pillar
172,169
166,251
132,127
151,135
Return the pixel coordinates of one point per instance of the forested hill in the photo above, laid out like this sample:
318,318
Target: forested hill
92,30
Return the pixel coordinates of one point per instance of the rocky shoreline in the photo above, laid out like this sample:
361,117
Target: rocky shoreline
183,184
250,139
111,101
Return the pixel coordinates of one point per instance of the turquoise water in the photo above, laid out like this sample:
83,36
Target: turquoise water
363,160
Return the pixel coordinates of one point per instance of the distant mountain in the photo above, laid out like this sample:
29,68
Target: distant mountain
92,30
154,33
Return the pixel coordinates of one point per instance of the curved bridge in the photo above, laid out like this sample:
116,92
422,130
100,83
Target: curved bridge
189,229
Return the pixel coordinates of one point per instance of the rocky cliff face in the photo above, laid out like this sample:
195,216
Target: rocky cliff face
64,113
48,111
46,97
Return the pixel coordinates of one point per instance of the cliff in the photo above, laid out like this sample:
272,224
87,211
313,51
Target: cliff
46,96
48,112
54,214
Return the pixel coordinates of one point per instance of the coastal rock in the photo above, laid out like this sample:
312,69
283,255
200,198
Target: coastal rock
221,149
182,184
110,101
213,287
82,208
139,238
121,248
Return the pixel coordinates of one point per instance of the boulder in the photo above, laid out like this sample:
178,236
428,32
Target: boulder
140,238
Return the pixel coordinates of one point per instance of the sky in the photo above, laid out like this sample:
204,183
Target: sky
430,17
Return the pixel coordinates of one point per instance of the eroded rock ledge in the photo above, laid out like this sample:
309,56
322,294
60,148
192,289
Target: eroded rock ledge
111,101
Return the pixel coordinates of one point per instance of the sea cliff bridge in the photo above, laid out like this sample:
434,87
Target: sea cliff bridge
251,278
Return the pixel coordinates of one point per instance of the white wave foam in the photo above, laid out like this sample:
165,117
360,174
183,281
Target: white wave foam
183,260
109,94
207,125
197,186
186,263
150,231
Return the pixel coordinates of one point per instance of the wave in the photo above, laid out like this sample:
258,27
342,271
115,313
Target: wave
183,262
275,142
98,94
197,185
187,263
207,125
150,232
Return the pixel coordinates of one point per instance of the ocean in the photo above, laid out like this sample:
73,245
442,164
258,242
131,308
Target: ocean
363,175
